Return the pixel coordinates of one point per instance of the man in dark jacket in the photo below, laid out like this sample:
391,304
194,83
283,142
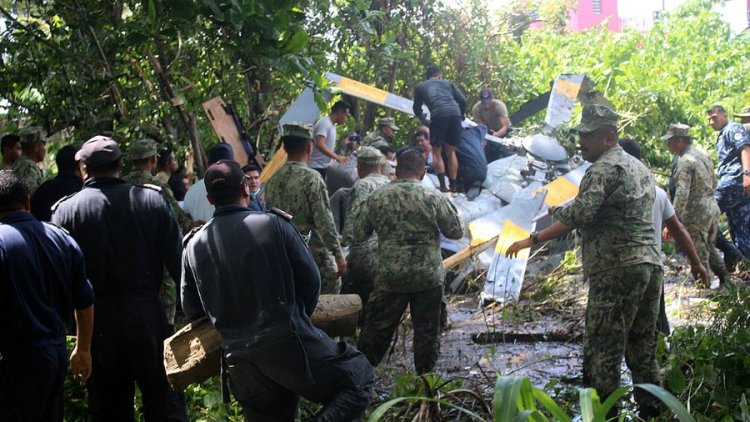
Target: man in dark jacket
128,234
252,274
67,182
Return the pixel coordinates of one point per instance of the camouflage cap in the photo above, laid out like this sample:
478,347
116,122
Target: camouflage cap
677,130
142,148
31,134
387,122
594,116
380,144
302,130
368,156
745,112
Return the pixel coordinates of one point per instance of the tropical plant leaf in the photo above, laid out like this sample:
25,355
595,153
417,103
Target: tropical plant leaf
668,399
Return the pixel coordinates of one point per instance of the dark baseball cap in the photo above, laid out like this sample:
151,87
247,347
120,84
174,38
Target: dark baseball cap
485,95
224,180
98,151
220,151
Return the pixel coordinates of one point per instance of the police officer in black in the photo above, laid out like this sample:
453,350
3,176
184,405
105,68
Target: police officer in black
67,182
252,274
42,281
128,234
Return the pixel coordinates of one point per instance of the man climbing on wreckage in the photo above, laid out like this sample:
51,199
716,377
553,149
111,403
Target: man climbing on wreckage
613,210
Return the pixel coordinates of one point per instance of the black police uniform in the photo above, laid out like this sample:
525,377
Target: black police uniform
258,284
42,279
51,191
128,234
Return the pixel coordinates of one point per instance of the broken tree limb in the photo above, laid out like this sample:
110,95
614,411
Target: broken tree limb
467,253
192,354
503,337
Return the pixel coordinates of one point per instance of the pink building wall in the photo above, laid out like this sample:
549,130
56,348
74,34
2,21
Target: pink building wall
584,17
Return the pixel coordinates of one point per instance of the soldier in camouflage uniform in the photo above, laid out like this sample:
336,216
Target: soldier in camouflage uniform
694,200
386,131
362,261
142,154
613,211
408,219
34,149
301,191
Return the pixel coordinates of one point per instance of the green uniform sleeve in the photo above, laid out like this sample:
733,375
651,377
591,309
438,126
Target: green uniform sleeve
447,218
355,204
683,177
363,228
591,196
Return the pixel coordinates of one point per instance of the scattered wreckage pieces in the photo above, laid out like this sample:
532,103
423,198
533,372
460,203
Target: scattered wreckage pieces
192,354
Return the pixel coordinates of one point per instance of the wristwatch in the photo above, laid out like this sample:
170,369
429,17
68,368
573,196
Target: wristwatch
746,172
534,237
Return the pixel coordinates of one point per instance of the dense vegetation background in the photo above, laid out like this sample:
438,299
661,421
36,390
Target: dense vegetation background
144,67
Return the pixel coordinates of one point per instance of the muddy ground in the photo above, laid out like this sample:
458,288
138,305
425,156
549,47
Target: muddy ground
550,308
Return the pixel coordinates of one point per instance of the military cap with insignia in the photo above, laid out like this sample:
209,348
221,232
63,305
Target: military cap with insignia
677,130
296,129
142,148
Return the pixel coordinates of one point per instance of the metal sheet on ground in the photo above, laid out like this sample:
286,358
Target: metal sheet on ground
226,130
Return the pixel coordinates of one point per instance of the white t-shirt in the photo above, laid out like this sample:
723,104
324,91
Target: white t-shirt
662,210
323,127
196,204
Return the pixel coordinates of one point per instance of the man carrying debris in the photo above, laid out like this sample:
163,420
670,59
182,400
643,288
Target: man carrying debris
733,189
386,131
300,191
362,261
447,107
694,201
613,210
408,219
254,277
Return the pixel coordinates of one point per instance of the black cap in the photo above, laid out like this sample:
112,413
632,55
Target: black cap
485,95
98,151
224,181
220,151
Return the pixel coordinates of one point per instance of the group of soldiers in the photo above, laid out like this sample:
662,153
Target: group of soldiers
256,258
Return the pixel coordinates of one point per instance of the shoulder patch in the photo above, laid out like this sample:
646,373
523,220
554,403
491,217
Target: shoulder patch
60,201
190,235
737,136
281,213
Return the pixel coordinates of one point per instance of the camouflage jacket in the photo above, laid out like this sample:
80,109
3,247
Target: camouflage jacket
142,177
26,169
300,191
408,219
373,137
359,192
695,185
613,210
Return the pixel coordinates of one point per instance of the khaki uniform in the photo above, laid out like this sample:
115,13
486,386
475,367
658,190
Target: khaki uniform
408,219
613,211
300,191
696,207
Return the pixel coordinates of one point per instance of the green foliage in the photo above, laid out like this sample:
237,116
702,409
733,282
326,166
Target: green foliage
707,366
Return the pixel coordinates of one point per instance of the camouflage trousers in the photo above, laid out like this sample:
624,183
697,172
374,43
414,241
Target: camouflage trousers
733,202
621,314
168,296
383,315
704,240
330,283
